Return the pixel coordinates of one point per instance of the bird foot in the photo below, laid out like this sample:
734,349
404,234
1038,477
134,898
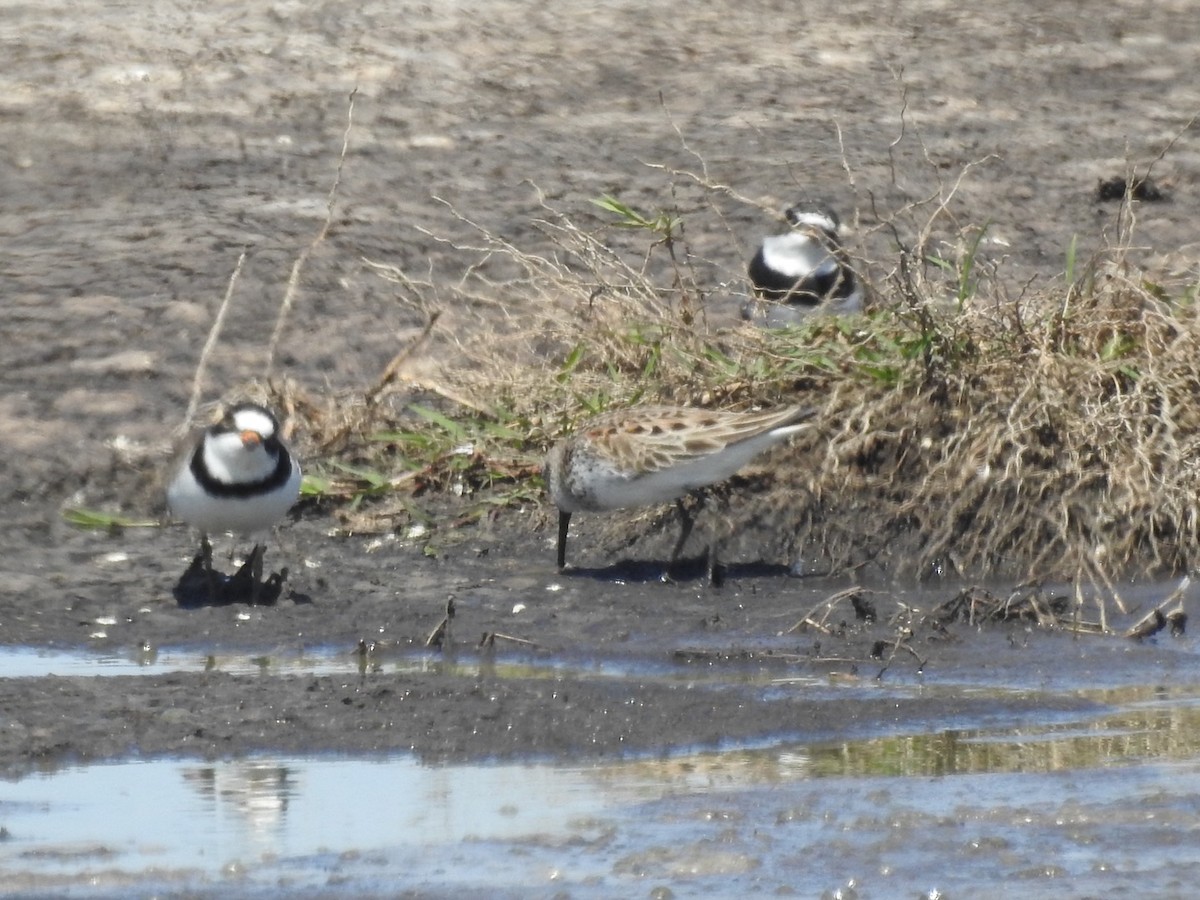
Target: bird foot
202,585
247,584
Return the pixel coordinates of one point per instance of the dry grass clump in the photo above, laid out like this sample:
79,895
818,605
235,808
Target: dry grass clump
1043,440
518,348
961,431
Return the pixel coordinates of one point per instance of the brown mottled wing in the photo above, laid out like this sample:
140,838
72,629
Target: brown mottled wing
653,438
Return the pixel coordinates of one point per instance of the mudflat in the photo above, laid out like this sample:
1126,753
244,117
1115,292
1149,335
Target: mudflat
146,150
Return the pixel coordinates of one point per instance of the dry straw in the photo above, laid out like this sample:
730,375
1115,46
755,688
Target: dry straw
961,433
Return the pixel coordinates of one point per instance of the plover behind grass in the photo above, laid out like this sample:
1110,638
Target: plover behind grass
801,271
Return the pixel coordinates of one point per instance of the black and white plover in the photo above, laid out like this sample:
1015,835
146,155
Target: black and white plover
802,271
239,478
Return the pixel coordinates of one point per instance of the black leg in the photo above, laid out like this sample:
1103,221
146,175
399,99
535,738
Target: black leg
209,574
256,567
686,523
564,521
715,575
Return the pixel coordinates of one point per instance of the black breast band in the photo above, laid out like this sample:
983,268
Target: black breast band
277,479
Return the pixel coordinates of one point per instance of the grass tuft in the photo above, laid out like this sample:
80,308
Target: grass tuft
961,432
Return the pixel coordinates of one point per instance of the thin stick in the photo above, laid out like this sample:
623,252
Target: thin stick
437,637
900,644
440,636
829,603
393,368
489,639
213,333
1171,143
289,295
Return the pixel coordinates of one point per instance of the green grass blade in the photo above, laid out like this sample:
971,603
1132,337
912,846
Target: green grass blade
571,363
448,425
95,518
315,486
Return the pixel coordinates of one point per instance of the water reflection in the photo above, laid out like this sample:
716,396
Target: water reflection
992,801
29,662
247,800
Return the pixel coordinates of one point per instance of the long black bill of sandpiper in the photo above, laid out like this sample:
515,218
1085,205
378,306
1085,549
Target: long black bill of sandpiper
564,520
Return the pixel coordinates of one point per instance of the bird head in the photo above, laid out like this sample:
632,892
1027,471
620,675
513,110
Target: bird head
814,217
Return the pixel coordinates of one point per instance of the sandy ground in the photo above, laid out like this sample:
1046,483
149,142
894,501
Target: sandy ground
143,151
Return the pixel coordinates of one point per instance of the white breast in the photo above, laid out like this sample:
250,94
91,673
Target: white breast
796,255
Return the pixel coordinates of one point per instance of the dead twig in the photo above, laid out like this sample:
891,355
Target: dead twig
293,282
392,370
900,643
213,333
489,638
1156,619
440,636
855,595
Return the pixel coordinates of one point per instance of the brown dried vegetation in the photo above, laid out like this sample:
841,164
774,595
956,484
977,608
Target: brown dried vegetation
962,431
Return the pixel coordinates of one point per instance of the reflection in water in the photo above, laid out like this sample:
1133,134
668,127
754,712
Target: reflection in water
1160,724
1092,800
248,799
31,662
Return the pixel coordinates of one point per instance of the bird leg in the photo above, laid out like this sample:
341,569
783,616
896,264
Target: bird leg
715,571
209,574
564,521
246,583
686,523
256,567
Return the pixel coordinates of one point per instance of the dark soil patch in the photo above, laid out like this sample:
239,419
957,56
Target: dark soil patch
147,149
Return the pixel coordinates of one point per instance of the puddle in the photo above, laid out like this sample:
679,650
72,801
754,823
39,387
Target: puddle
1057,803
28,662
1099,804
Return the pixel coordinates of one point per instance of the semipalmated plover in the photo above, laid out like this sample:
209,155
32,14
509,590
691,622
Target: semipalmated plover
802,271
238,478
651,455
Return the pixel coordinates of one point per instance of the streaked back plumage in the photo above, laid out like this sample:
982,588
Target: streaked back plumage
651,455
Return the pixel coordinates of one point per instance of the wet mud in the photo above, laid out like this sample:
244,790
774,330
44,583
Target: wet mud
145,151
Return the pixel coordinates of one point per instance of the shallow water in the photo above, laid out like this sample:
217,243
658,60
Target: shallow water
1098,796
135,185
1062,806
36,662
